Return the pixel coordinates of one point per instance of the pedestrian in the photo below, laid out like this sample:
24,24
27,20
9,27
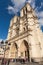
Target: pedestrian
5,61
8,62
2,61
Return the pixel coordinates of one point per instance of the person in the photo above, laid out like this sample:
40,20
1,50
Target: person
2,61
5,61
8,62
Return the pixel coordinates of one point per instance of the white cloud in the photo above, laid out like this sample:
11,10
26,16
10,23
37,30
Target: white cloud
12,10
17,2
28,1
41,18
41,21
41,3
40,14
10,7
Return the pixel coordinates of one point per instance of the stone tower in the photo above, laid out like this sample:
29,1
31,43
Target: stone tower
25,36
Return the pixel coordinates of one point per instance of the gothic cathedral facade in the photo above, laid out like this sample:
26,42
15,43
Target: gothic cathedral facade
25,36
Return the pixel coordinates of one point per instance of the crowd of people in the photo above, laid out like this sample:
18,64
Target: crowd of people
7,61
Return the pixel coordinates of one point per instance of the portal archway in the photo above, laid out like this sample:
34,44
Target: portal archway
14,50
24,50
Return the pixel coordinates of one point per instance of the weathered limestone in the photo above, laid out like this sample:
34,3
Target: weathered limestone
24,31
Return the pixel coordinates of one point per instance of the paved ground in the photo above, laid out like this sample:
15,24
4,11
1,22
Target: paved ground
25,63
18,63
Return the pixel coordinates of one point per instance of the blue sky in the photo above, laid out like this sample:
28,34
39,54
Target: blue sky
10,8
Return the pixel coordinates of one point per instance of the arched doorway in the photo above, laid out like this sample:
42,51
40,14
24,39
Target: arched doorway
24,50
14,51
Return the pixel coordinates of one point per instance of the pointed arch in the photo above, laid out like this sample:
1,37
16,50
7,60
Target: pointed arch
24,49
14,50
